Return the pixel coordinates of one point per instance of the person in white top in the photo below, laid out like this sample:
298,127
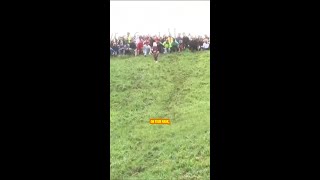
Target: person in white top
205,45
146,49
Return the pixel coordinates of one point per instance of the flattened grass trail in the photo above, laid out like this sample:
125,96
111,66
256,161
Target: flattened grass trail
178,87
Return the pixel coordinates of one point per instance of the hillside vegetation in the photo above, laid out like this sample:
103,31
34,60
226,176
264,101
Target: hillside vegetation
178,87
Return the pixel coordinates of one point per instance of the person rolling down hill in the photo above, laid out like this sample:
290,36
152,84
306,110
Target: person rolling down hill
155,51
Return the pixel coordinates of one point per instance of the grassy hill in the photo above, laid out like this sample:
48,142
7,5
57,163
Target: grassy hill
178,87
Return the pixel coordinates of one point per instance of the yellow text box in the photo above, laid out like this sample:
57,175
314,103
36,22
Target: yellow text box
159,121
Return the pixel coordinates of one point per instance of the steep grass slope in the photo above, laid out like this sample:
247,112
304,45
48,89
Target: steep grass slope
178,87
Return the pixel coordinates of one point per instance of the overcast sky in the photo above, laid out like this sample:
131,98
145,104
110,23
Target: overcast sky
158,16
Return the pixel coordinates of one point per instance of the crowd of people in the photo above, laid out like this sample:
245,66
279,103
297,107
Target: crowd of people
155,45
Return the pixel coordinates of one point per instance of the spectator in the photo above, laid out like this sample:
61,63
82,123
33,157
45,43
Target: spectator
185,41
180,44
146,41
160,47
166,46
151,40
128,50
115,49
111,51
146,49
205,45
132,45
121,49
174,46
156,38
139,46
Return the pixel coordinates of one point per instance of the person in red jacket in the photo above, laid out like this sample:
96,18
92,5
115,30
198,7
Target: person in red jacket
139,46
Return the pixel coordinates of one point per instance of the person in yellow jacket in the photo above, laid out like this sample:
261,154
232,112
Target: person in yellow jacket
170,40
129,38
167,47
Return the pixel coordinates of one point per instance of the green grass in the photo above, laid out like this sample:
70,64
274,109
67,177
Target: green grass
178,87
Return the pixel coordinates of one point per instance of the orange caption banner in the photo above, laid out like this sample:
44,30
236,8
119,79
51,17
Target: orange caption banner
159,121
